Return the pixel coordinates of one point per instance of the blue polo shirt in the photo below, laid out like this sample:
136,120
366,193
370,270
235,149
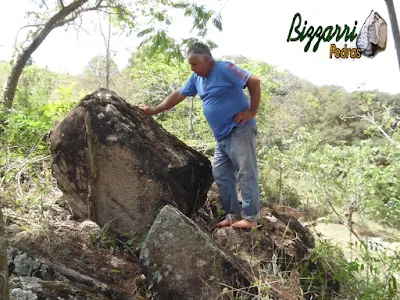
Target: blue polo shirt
222,95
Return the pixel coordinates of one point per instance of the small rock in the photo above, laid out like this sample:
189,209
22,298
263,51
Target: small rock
90,227
24,265
20,294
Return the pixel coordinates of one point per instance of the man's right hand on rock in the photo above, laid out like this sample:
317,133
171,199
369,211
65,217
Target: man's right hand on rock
148,109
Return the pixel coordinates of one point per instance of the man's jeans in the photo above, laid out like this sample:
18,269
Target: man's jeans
235,161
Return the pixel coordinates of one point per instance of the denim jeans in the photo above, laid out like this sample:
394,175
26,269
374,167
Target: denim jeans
235,162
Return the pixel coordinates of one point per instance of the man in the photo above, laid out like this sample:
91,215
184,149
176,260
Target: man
220,85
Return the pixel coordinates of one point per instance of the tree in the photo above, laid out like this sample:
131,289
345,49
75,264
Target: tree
382,112
98,72
102,68
3,262
62,16
107,44
395,27
152,13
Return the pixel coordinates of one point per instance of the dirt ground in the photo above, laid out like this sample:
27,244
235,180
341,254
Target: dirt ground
51,232
58,239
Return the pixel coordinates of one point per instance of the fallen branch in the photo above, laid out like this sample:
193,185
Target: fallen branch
77,277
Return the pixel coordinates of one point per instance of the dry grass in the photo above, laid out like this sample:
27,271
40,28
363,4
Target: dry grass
40,223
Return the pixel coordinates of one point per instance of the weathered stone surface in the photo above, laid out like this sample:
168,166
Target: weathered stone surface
183,262
279,243
25,265
33,288
30,278
118,166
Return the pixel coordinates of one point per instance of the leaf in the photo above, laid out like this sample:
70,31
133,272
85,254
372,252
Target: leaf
180,5
157,276
217,23
145,31
115,271
160,16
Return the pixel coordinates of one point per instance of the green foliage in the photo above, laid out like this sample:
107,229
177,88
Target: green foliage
34,113
162,76
342,120
95,74
26,126
336,176
4,69
371,276
155,18
186,121
192,128
25,159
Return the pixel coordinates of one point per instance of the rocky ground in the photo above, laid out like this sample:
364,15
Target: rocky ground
52,252
55,247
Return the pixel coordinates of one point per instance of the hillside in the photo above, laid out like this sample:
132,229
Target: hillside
330,155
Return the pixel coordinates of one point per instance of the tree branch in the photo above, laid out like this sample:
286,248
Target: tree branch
371,119
44,3
16,70
23,27
79,26
79,13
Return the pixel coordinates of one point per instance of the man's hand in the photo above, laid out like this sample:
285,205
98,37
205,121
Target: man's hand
148,109
173,99
243,117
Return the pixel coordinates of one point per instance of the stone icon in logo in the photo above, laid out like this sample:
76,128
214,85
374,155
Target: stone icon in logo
373,35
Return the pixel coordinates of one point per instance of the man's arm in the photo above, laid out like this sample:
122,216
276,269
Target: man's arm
254,87
173,99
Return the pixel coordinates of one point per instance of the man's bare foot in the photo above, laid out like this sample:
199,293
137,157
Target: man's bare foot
226,223
244,224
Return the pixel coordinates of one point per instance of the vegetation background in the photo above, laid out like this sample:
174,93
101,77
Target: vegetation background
320,148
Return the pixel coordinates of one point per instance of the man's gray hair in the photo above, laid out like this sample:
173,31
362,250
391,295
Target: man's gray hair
199,49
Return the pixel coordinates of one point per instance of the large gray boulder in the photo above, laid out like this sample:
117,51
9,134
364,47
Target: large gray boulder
118,167
182,262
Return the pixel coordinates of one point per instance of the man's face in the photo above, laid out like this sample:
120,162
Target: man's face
200,66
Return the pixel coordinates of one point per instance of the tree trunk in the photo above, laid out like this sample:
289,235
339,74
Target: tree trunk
55,21
395,27
104,79
3,262
108,56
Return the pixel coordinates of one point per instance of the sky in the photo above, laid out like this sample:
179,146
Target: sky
257,29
